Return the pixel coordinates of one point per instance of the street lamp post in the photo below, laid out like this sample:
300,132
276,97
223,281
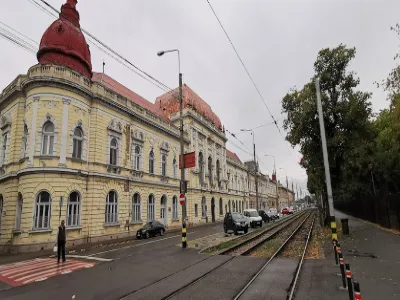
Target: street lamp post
182,182
256,166
276,180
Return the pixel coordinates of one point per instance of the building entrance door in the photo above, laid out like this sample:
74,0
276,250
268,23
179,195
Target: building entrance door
163,210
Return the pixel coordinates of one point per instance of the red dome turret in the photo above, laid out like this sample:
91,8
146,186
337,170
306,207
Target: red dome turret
64,44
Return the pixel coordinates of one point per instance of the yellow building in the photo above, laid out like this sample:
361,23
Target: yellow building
77,145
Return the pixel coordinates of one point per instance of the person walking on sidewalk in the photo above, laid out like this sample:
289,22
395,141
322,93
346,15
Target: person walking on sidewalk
61,240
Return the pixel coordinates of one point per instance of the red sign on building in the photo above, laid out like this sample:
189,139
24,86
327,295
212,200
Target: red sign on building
189,160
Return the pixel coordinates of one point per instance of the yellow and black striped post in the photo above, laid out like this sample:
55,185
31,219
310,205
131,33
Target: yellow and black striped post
333,227
184,244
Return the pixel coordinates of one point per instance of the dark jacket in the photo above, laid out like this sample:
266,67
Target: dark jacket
61,236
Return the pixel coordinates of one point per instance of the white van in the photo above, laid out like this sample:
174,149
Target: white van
253,217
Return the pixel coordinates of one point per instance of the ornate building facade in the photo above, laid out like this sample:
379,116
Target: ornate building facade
79,146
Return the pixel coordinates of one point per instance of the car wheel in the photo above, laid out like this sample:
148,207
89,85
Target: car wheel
147,235
162,232
246,229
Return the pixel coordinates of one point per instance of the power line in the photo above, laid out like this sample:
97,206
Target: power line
248,73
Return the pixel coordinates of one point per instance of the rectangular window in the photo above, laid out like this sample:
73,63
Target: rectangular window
113,157
4,150
77,149
196,212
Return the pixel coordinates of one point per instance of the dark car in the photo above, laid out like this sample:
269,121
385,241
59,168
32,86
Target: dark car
236,222
150,229
263,214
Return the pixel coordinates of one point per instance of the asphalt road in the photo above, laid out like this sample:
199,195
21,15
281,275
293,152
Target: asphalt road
133,268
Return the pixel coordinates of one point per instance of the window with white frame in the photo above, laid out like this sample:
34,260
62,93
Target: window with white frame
136,209
203,207
77,143
164,165
42,213
48,138
18,214
151,162
201,169
73,209
25,142
175,208
175,168
151,208
4,148
111,214
136,158
113,151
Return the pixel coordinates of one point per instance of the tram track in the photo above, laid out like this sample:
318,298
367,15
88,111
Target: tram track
235,252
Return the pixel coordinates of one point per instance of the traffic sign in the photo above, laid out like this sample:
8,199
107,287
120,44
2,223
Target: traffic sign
182,199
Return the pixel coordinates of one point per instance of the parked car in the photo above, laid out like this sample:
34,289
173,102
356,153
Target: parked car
236,222
273,215
264,215
253,217
285,211
150,229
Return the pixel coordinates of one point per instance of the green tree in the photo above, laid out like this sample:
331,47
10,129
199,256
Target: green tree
347,114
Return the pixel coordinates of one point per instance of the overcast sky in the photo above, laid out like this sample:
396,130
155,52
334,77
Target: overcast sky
277,40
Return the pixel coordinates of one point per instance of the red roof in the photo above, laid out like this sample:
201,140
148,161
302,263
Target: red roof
63,43
233,156
169,102
125,92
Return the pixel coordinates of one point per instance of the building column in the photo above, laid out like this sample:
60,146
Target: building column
64,130
33,131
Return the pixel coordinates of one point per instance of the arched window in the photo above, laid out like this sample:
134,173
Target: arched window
113,151
201,169
136,209
218,173
25,141
175,168
150,208
233,206
175,208
73,209
41,219
221,212
48,139
77,143
136,160
18,213
203,207
111,215
164,165
210,169
151,162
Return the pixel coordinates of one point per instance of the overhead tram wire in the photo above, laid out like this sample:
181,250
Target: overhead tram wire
248,74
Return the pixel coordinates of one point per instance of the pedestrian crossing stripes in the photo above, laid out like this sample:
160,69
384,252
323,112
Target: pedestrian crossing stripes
38,269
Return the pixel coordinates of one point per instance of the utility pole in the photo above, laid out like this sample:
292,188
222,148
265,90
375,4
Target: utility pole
326,163
182,185
256,166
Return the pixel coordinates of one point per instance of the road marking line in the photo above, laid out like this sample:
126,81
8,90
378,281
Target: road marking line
50,272
54,273
24,268
9,267
41,279
52,266
66,272
137,245
90,257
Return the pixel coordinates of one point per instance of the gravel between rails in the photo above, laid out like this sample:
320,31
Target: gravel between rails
270,246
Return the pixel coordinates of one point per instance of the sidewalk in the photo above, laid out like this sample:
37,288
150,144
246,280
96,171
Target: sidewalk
374,257
6,258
